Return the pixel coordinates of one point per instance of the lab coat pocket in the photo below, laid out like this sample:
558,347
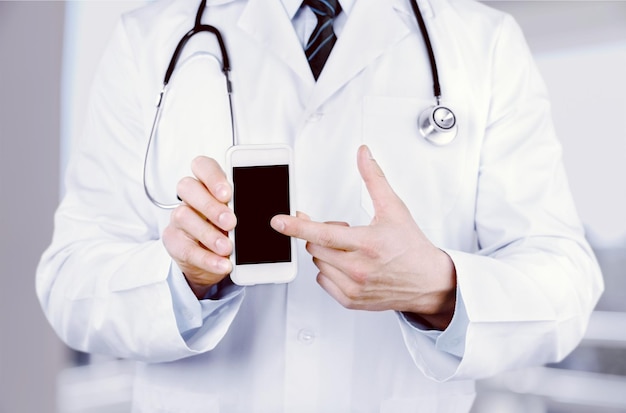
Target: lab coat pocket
426,177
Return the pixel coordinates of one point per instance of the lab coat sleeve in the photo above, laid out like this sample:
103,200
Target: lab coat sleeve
104,282
528,291
193,316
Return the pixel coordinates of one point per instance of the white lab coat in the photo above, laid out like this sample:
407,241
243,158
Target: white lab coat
496,200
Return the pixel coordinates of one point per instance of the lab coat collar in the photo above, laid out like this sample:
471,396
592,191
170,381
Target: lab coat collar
267,22
372,27
292,6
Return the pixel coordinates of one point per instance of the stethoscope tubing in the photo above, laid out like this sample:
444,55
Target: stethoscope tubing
429,48
432,132
225,62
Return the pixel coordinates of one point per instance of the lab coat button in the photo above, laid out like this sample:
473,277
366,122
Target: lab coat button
306,336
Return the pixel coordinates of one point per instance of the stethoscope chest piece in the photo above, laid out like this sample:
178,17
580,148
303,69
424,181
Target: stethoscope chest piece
437,125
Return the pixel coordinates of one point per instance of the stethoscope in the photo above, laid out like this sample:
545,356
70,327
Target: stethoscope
437,124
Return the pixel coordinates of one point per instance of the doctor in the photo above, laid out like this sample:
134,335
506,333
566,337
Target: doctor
432,266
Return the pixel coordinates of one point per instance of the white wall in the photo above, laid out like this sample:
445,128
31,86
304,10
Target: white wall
30,69
591,119
31,52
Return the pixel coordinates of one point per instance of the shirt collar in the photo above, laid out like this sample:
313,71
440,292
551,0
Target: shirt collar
292,6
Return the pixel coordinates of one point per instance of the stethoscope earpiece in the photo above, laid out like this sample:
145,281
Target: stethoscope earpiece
437,124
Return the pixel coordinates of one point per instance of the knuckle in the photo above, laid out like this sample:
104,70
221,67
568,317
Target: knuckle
350,304
217,266
185,255
168,232
326,238
168,238
198,163
358,275
210,209
370,251
205,168
206,236
208,205
206,263
179,215
177,245
310,248
353,293
171,234
183,186
372,248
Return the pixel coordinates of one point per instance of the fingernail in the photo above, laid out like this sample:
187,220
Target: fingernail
222,192
278,224
226,220
222,245
223,265
379,171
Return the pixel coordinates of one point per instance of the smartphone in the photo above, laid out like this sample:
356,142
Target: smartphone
262,181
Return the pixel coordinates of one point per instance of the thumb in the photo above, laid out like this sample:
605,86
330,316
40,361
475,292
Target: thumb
385,200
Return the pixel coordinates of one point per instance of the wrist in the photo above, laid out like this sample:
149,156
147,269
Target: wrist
437,309
213,291
200,291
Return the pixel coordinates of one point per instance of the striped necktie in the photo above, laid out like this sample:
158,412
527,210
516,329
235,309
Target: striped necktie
323,37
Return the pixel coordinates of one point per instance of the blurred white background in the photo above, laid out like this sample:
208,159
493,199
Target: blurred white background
48,51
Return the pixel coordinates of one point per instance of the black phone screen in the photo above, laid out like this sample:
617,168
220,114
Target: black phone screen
259,193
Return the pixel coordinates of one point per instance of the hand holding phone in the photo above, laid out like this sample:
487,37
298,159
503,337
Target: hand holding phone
262,178
196,235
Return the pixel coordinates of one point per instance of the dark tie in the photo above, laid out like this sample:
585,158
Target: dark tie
323,37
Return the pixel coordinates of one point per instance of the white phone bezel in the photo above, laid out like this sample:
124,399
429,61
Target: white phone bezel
262,155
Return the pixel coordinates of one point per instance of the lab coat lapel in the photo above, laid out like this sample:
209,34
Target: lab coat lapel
371,29
267,23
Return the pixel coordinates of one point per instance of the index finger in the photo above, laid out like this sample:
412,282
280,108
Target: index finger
327,235
210,173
